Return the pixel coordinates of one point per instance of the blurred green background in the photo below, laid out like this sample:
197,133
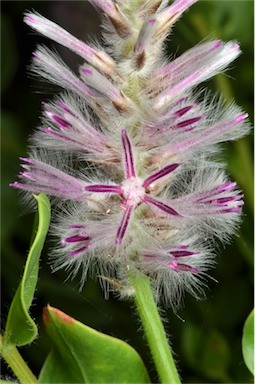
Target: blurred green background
205,335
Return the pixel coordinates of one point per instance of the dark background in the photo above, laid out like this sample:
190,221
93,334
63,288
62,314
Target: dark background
208,343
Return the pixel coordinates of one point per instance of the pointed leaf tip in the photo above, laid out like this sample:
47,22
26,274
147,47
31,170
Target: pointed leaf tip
49,312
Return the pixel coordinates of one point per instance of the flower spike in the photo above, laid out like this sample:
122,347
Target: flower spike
127,150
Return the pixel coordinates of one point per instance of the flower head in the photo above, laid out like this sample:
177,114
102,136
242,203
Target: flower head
134,141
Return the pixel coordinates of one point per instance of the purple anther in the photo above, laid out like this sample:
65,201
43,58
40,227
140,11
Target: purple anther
79,250
128,155
183,111
232,210
159,174
182,253
226,187
224,200
104,188
59,120
179,267
124,224
76,239
164,207
187,122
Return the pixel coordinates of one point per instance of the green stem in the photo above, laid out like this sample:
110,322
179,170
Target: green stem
16,362
154,330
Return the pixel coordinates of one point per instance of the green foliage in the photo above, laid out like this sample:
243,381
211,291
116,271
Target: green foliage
248,342
206,353
20,327
82,355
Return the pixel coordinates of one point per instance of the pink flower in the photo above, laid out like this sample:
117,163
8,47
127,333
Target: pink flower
128,149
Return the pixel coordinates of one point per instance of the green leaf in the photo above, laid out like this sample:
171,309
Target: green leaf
248,342
20,328
82,355
206,352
